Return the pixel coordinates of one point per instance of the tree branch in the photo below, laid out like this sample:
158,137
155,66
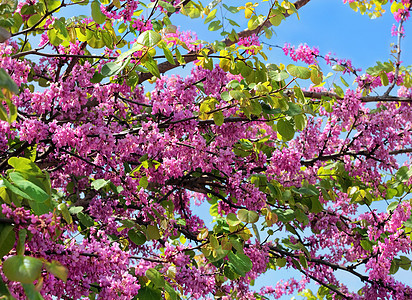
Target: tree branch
6,221
365,99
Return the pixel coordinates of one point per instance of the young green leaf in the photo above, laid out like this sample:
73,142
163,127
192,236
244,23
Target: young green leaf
149,38
24,269
97,14
247,216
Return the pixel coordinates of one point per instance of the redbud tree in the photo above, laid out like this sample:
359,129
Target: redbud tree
106,150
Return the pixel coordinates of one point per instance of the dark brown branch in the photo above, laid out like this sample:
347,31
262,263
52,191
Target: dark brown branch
276,251
325,284
96,255
401,151
365,99
56,55
81,158
6,221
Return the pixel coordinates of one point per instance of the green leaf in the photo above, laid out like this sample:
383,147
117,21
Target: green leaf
215,25
31,292
111,68
54,39
339,91
62,207
303,261
211,16
107,39
247,216
403,174
405,262
294,109
232,219
97,77
171,292
218,254
136,237
8,83
155,277
169,55
33,191
74,210
278,75
24,165
268,33
149,38
33,20
4,291
277,19
300,121
62,29
218,118
57,269
338,68
367,245
99,183
285,129
391,207
149,293
52,4
97,14
316,76
12,115
240,263
298,71
301,216
285,216
3,113
281,262
168,6
306,191
24,269
344,81
85,219
8,6
316,205
232,9
396,6
179,57
233,23
394,267
151,65
214,243
152,232
143,182
21,243
384,78
253,23
7,239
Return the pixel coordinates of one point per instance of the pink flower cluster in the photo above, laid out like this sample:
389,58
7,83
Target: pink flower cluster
285,288
251,42
187,38
302,53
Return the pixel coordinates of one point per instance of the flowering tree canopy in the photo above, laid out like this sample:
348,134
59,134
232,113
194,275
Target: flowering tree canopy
105,151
